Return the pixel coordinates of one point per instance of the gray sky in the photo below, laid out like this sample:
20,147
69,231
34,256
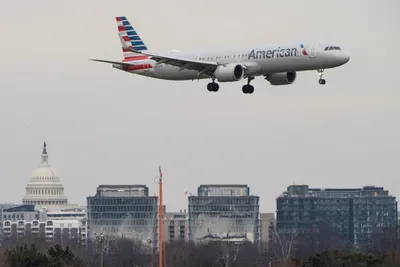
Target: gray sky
106,126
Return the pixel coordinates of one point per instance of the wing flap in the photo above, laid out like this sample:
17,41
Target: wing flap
203,67
179,62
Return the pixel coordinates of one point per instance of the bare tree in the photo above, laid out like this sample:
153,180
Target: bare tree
281,248
249,254
180,254
127,253
322,237
385,239
314,247
211,253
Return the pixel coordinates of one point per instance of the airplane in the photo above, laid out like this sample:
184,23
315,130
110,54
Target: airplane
278,64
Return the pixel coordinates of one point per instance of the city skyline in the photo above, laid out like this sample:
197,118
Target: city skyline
234,189
103,126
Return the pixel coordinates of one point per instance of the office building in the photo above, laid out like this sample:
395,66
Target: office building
355,213
57,231
176,227
23,221
15,212
64,214
123,211
19,212
224,212
267,227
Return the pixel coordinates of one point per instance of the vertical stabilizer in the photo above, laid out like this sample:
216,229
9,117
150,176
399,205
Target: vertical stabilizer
130,39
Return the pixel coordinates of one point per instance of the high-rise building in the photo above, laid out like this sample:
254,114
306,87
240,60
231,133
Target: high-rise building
356,212
123,211
224,212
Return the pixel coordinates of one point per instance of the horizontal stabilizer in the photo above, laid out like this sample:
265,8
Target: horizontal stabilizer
114,62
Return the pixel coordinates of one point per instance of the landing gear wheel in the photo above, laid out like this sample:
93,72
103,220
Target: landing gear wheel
213,87
248,89
321,74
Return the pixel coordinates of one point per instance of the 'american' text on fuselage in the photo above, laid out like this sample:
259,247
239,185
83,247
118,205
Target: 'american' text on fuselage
273,53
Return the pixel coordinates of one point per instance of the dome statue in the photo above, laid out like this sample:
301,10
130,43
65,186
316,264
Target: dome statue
44,187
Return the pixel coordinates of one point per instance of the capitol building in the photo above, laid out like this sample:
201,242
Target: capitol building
45,211
44,187
45,190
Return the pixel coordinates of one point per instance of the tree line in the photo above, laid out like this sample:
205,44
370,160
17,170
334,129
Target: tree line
325,249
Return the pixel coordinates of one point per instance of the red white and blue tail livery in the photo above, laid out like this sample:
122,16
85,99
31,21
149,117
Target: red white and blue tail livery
279,64
130,38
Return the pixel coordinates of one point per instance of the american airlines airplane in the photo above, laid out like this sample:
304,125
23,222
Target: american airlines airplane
278,64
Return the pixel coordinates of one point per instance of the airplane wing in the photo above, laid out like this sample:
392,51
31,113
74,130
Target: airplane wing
114,62
203,67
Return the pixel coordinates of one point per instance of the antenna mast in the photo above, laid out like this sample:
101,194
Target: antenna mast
160,220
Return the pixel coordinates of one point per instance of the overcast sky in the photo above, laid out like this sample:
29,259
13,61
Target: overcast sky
104,126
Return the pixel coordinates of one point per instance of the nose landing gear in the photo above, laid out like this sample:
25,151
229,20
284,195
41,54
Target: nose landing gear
321,81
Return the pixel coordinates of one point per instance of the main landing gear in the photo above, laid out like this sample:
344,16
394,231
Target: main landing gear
213,86
321,81
248,88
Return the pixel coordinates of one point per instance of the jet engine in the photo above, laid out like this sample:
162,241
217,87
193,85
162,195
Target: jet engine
229,73
281,78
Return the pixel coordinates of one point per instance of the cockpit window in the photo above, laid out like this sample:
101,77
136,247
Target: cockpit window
332,48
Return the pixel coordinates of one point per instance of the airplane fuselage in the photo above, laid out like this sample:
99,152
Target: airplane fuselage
259,60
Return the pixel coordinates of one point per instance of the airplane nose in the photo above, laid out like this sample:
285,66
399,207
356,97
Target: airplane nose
344,58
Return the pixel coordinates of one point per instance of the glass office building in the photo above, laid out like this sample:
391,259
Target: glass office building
123,211
224,212
223,190
356,213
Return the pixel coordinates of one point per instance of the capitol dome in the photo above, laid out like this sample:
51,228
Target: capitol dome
44,187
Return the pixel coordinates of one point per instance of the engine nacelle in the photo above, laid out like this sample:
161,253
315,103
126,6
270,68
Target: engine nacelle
281,78
229,73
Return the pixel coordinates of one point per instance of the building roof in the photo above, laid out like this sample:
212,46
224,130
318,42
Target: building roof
21,208
224,185
64,223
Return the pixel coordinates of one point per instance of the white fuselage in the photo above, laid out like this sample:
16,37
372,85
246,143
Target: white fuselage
259,60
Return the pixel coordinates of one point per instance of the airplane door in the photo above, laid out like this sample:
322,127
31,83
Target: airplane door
313,50
238,57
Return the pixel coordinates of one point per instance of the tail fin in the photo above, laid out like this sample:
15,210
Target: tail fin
129,39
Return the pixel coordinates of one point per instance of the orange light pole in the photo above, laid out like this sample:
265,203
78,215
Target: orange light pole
160,222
